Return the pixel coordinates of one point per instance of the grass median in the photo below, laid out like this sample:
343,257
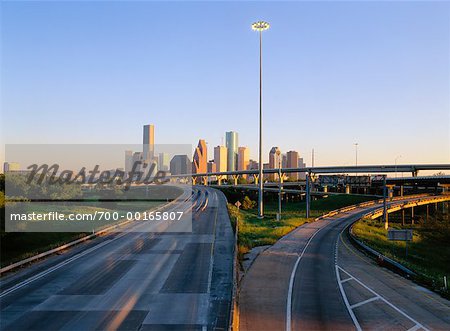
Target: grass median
255,232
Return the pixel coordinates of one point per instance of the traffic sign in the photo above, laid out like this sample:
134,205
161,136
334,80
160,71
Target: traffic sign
400,235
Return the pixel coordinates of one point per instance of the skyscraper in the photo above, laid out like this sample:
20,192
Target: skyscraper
232,143
274,160
220,158
243,158
180,165
128,162
163,162
292,162
301,164
148,143
200,159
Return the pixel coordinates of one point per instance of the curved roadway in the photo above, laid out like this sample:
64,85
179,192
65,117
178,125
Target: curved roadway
313,279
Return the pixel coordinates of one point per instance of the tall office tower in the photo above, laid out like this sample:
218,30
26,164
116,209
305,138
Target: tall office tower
137,157
243,158
212,166
149,143
292,162
232,142
274,161
283,160
200,159
128,162
301,164
220,158
163,162
180,165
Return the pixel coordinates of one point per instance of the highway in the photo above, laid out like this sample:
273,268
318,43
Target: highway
139,279
313,279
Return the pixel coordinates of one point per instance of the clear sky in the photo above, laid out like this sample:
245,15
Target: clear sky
335,73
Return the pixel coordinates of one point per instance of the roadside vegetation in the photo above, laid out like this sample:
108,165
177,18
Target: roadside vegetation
428,254
255,232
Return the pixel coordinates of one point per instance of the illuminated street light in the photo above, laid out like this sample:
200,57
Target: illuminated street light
260,26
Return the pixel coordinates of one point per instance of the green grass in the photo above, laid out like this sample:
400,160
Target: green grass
255,232
428,253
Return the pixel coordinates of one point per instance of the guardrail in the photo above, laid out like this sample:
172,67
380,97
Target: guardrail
381,259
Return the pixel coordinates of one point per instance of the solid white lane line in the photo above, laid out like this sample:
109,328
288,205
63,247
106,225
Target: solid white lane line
384,300
415,328
347,304
364,302
291,282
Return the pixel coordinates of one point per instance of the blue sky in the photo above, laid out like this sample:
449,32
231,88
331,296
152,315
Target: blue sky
335,73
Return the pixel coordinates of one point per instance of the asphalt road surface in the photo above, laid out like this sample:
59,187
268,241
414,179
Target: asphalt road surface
313,279
135,280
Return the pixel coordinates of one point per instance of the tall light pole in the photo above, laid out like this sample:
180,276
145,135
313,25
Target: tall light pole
356,155
260,26
279,184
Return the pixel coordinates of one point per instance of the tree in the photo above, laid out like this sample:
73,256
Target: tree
247,203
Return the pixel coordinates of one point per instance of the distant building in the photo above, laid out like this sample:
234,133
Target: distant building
253,165
164,162
301,164
180,165
274,161
148,147
128,162
266,166
200,159
212,166
232,143
292,162
283,160
11,166
220,158
243,158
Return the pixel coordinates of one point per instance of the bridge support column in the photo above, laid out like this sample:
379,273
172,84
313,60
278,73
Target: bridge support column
255,179
325,189
401,190
385,213
347,189
235,179
403,217
412,215
390,191
428,212
308,197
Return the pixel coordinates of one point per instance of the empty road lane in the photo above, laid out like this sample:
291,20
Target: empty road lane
136,280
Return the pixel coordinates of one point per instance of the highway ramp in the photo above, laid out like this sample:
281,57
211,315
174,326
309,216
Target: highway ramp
313,279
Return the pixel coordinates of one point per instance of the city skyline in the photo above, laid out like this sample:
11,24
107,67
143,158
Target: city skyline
392,77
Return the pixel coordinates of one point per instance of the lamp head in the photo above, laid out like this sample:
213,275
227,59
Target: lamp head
260,26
